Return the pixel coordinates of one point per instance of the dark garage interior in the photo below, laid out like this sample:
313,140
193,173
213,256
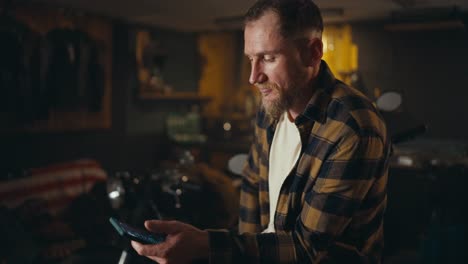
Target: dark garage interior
149,122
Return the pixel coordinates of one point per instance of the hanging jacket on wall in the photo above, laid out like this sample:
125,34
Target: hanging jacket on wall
74,77
22,90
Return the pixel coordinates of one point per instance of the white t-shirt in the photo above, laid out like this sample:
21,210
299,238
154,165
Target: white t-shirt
284,152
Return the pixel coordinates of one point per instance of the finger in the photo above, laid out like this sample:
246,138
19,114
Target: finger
158,260
164,227
147,250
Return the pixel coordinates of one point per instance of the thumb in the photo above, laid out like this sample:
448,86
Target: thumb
163,227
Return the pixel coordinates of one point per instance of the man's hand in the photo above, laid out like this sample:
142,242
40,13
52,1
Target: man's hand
184,243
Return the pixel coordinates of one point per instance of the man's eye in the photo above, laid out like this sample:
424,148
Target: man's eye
269,58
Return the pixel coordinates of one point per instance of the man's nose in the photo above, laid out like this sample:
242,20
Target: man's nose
256,74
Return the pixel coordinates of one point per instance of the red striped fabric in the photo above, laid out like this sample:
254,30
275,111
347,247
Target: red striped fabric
57,184
83,163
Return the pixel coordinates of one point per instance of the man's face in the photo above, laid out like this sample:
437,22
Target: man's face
276,67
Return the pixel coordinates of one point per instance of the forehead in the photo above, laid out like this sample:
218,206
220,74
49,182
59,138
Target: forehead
263,34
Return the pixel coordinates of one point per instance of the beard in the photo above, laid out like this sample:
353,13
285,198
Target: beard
285,99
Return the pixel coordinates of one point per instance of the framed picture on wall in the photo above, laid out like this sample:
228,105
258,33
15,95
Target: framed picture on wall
150,60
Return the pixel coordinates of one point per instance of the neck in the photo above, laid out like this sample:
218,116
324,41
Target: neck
309,89
293,112
301,102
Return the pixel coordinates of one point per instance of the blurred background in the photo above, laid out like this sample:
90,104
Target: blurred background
136,110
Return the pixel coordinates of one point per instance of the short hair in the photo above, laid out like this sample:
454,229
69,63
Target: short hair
296,16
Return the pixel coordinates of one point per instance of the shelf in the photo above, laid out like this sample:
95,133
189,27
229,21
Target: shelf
177,96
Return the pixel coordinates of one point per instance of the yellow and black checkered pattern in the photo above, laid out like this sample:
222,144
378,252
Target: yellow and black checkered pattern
332,204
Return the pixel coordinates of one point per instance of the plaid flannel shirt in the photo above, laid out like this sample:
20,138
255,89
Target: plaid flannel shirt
331,205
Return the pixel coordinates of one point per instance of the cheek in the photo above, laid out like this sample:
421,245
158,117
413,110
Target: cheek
295,76
278,75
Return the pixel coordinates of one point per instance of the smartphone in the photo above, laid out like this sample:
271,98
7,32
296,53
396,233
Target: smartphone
137,234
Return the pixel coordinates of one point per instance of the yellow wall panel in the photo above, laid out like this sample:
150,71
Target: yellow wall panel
340,52
218,70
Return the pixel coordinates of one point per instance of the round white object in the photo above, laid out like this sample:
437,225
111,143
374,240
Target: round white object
236,163
389,101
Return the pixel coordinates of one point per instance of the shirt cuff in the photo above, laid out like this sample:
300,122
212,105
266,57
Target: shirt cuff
220,246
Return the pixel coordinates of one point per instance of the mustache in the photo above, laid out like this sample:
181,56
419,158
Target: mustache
266,86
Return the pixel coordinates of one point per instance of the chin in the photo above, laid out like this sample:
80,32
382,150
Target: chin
270,99
274,108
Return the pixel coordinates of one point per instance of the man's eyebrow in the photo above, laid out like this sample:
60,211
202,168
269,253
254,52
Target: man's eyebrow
262,53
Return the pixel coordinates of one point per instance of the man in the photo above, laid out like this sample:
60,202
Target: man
315,184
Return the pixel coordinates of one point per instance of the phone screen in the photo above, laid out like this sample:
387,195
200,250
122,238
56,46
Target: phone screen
137,234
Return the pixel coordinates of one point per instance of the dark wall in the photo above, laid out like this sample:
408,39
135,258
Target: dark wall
429,67
136,139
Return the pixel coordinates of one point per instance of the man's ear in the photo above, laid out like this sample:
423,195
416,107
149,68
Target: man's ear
312,51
